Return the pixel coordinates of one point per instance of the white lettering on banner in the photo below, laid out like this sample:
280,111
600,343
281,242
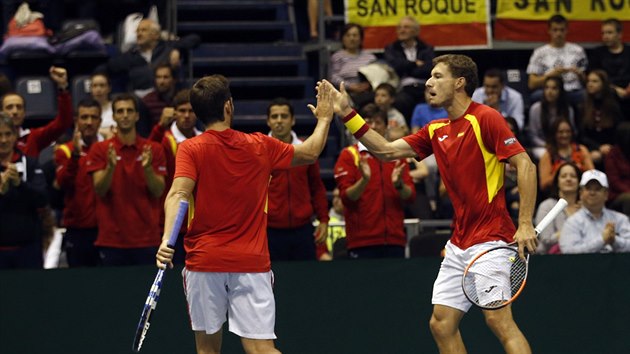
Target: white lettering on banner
369,8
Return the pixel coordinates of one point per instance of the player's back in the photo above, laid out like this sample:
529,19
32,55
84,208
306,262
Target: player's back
232,172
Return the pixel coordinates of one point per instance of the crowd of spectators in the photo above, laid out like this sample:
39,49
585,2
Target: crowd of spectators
114,157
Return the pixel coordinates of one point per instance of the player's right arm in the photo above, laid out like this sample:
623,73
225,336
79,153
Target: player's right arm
182,188
375,142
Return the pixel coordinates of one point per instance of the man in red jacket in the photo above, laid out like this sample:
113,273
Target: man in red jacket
33,141
373,192
72,177
295,195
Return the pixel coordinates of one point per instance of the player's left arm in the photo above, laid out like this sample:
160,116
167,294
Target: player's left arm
527,184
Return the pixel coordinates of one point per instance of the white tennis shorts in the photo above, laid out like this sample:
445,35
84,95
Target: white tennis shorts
245,298
447,289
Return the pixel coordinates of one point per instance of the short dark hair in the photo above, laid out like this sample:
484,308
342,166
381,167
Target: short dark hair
89,102
208,96
615,22
181,97
391,90
372,111
461,66
164,66
557,18
11,93
495,72
280,101
125,96
350,25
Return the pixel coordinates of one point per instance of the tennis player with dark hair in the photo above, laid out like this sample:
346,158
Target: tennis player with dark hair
471,147
228,271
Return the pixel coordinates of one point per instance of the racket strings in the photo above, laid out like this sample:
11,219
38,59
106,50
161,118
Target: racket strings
495,278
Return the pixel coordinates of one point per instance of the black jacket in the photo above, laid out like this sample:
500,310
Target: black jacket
395,56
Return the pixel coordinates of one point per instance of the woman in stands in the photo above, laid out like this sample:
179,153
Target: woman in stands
542,114
100,89
345,64
561,147
565,185
600,114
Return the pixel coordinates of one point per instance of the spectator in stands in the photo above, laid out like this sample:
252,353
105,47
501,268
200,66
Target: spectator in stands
544,113
335,245
595,228
373,193
565,186
164,89
137,64
128,174
423,113
32,141
173,129
512,197
100,90
313,16
618,170
296,195
561,147
411,58
22,202
558,58
73,179
496,94
345,64
614,58
385,99
600,115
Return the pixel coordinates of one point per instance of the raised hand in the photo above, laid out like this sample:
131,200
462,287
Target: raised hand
397,173
59,76
147,156
111,156
341,100
167,117
324,109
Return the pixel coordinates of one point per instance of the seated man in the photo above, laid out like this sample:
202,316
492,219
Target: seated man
496,94
595,228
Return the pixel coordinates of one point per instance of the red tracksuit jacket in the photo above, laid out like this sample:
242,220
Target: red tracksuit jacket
377,217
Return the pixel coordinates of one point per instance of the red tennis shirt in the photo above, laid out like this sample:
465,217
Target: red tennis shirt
128,216
231,171
470,152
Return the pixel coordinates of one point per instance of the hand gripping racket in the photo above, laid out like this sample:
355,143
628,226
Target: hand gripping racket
497,276
154,292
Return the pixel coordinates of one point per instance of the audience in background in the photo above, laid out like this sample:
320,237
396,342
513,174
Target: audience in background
423,113
600,115
335,245
565,185
496,94
100,90
544,113
295,196
373,193
23,201
618,170
73,179
614,58
385,99
313,16
161,96
558,58
561,147
412,60
595,228
128,175
32,141
345,64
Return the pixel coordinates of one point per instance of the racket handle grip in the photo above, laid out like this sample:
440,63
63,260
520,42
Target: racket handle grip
557,209
179,219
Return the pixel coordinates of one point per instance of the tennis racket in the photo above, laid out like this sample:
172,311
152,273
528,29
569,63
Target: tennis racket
154,292
497,276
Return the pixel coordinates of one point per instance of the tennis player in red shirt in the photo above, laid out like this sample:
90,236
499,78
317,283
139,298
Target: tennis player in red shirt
470,147
228,272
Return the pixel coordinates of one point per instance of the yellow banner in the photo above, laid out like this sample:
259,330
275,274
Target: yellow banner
585,10
428,12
